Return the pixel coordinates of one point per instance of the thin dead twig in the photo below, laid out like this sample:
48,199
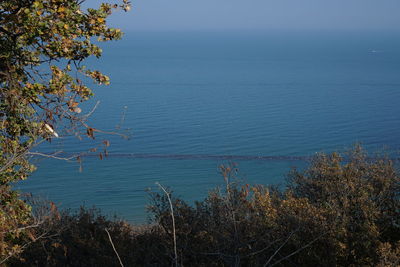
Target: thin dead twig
115,250
53,156
298,250
93,109
276,252
173,222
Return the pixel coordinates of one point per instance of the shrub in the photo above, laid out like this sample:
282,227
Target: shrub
362,197
80,239
341,211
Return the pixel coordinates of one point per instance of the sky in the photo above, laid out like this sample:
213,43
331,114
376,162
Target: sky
161,15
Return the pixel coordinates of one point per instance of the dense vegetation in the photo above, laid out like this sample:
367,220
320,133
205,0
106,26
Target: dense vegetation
340,211
43,46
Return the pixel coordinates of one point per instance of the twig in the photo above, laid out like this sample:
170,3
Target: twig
22,228
261,250
300,249
122,118
276,251
93,109
52,155
112,244
44,235
18,155
173,221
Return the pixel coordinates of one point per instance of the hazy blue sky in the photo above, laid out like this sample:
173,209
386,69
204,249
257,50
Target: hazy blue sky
259,14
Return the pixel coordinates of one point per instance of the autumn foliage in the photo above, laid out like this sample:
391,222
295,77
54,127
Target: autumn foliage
343,210
340,211
43,46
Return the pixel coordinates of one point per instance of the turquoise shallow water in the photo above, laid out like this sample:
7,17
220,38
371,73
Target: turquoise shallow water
280,95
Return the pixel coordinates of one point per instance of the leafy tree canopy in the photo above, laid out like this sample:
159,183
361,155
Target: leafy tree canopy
43,45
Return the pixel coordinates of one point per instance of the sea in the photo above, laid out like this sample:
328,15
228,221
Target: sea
181,104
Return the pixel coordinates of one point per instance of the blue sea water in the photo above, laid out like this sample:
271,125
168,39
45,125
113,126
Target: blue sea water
277,94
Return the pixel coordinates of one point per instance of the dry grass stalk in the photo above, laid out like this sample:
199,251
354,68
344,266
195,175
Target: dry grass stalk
173,222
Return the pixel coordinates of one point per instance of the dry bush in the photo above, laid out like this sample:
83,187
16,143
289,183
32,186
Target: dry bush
80,239
243,226
389,255
341,211
362,196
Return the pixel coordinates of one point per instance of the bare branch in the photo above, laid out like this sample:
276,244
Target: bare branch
298,250
93,109
53,156
173,221
115,250
283,244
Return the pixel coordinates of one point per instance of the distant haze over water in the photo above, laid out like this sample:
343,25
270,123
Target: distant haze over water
254,94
